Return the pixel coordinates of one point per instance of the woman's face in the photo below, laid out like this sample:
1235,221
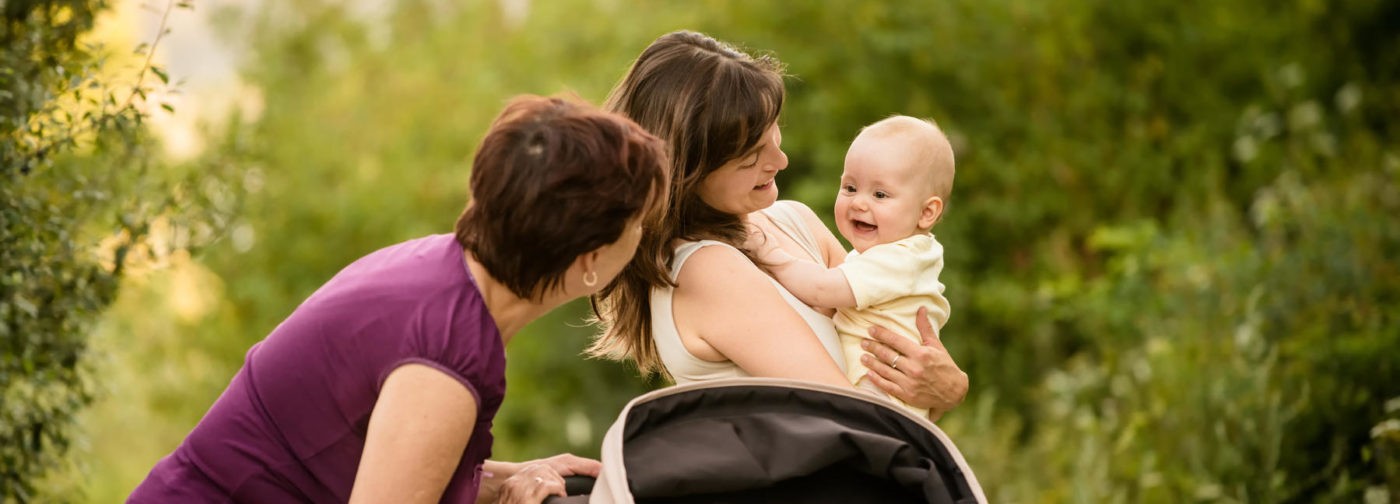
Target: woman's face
746,184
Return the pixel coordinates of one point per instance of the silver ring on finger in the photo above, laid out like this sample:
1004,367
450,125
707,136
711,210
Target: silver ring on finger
894,363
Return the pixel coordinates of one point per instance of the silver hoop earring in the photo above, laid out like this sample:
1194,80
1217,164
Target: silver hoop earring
590,279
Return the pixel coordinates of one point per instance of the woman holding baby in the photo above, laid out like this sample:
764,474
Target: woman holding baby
718,108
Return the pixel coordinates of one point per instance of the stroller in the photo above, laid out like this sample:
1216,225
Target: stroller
745,440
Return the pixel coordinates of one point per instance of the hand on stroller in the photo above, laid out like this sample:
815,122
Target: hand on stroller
535,480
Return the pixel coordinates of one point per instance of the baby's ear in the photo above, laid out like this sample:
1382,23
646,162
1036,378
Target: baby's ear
933,209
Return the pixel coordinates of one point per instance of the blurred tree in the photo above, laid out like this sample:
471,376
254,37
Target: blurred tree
76,168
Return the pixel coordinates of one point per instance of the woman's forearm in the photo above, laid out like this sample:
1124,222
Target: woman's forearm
493,473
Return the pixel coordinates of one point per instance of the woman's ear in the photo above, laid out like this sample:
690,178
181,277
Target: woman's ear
932,211
586,263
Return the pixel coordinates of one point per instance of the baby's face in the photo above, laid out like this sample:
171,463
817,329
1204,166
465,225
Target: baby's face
882,196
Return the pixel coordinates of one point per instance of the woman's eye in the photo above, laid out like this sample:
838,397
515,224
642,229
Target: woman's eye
750,163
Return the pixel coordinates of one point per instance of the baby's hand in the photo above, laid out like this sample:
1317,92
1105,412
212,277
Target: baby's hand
765,248
760,244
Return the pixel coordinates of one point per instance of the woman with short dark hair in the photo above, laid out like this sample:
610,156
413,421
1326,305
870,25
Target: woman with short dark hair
381,386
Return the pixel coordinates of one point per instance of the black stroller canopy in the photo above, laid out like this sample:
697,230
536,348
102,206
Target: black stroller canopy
763,440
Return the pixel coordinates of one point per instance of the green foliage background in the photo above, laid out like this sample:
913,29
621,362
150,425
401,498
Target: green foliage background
1171,248
84,199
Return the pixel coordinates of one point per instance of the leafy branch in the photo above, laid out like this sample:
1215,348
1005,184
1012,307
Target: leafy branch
30,148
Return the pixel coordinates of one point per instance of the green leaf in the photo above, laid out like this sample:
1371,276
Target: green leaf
164,79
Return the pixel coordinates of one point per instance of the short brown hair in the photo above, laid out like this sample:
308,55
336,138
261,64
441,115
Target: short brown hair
554,179
711,103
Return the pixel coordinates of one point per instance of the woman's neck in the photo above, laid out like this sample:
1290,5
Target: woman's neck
511,312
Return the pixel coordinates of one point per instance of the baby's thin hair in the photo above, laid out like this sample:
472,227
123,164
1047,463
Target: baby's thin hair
893,120
936,148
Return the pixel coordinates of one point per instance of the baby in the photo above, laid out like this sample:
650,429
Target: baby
898,174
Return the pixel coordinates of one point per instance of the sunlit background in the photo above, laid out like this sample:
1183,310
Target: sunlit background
1171,249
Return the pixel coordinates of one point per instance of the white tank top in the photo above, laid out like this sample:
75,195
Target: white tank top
687,368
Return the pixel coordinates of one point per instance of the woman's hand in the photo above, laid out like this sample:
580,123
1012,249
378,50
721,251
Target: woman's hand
924,376
537,479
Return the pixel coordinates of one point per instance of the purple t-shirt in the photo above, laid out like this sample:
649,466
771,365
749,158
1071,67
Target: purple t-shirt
291,425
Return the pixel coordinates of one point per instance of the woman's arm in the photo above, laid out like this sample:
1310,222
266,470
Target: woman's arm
420,425
726,308
417,432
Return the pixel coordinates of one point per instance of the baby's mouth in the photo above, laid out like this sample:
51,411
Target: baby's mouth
863,227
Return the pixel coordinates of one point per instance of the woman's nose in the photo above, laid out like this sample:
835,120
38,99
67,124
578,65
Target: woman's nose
780,162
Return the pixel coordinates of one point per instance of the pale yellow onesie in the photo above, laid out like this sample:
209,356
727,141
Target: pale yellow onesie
890,282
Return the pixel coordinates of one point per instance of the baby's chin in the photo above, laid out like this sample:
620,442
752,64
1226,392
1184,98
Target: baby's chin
860,244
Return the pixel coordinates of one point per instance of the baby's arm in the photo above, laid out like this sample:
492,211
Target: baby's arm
813,283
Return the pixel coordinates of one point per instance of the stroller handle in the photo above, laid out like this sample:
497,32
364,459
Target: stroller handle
577,488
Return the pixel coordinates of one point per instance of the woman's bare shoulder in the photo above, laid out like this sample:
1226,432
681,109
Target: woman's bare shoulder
809,217
723,278
801,208
719,279
710,265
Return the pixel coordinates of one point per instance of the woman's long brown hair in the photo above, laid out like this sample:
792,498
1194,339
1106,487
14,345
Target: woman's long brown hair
711,103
